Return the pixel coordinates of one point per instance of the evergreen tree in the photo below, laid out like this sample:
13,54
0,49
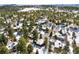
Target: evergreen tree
35,35
37,52
3,39
66,48
46,42
3,50
21,47
10,31
76,50
29,48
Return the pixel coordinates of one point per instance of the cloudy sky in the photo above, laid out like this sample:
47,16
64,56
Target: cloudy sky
29,2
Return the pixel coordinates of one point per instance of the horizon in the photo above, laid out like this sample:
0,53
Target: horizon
38,2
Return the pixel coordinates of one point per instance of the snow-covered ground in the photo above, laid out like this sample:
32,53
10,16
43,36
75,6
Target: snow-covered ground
29,9
43,24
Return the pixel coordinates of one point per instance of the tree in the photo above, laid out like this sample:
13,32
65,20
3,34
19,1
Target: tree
29,48
37,52
50,48
3,39
40,36
3,50
46,42
35,35
25,29
2,24
10,31
21,47
47,30
25,32
50,35
66,48
73,35
55,37
58,50
76,50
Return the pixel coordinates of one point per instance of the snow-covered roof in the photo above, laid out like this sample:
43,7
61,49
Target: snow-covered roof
57,28
2,32
11,44
21,19
34,49
41,20
64,31
20,25
15,33
40,51
51,40
42,32
40,41
57,33
77,39
18,37
17,26
44,27
58,43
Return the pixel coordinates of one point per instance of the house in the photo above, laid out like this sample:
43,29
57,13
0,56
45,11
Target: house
41,21
58,44
40,42
11,44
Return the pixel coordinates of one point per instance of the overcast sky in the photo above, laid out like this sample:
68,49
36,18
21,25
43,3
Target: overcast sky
33,2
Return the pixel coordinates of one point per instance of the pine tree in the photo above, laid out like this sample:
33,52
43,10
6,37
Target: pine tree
3,39
21,47
46,42
29,48
37,52
35,35
3,50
